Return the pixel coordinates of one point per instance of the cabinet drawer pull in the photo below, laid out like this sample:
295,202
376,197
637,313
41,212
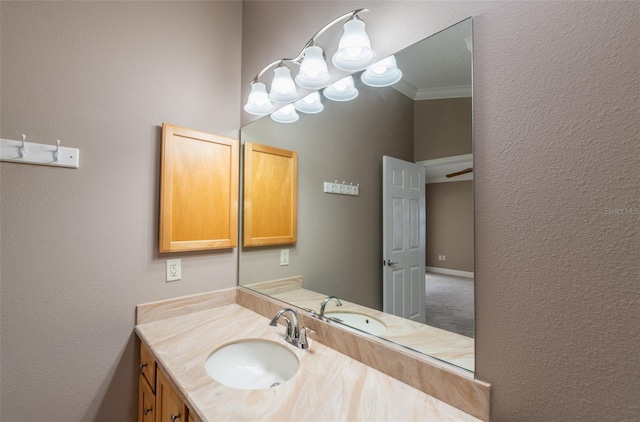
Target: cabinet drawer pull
147,410
142,365
174,417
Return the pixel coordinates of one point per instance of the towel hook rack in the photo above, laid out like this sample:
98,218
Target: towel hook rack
24,152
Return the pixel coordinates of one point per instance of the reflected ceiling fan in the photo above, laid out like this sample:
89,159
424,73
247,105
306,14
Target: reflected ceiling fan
459,173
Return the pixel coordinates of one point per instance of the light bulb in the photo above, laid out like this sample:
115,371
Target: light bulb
311,104
342,90
382,73
354,50
283,90
286,114
258,102
313,72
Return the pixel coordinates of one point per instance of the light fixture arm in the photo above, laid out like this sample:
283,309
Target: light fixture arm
350,15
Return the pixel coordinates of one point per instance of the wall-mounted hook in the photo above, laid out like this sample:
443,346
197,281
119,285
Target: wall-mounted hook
23,149
24,152
56,153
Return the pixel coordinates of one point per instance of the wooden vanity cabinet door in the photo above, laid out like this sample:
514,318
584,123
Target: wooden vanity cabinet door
169,407
147,366
146,401
199,190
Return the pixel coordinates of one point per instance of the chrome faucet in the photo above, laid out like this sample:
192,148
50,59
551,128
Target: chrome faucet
294,335
327,300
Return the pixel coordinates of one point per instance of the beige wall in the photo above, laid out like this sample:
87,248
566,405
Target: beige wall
79,247
450,225
556,145
442,128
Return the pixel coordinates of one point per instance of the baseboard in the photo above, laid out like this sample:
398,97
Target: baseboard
449,272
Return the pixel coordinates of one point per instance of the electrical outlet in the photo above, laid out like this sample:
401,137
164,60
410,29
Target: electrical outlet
174,272
284,256
444,257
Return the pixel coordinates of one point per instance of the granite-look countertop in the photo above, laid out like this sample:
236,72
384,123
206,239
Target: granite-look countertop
329,386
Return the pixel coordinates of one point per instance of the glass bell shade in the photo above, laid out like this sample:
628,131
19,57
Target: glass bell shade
354,50
313,72
310,104
286,114
382,73
283,90
342,90
258,102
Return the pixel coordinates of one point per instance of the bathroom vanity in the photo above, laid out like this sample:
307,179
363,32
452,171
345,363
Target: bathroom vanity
178,336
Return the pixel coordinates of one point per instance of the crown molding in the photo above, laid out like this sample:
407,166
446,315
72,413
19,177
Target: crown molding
462,91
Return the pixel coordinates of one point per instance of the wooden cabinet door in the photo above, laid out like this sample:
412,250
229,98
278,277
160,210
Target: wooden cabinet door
146,401
169,407
199,192
270,195
147,366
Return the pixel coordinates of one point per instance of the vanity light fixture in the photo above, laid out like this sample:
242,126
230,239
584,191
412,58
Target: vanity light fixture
283,90
258,103
342,90
313,69
383,73
286,114
354,50
311,104
354,53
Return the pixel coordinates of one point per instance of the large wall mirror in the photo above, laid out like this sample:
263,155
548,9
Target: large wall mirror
425,118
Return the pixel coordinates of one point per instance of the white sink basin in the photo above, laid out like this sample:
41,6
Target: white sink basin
252,364
360,321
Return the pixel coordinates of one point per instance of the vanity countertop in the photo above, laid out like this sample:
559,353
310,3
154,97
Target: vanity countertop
329,386
450,347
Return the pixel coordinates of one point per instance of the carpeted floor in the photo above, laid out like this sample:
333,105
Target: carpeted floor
449,303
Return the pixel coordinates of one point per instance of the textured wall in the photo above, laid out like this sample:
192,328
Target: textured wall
556,106
79,247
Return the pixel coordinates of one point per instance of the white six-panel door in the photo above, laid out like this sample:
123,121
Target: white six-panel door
403,216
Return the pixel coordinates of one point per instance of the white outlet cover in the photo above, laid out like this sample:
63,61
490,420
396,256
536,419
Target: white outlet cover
284,256
174,270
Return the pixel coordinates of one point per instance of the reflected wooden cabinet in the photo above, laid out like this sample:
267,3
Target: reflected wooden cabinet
199,190
157,400
270,195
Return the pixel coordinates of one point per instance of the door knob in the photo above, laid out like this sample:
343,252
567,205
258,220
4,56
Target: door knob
391,263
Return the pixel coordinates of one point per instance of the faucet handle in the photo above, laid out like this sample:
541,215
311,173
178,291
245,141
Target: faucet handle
304,342
311,312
